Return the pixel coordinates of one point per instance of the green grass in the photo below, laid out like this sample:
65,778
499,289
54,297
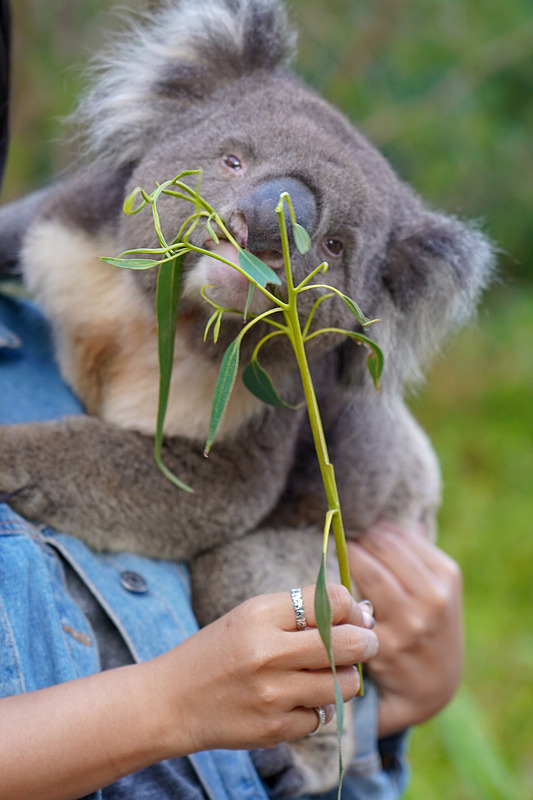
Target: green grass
478,409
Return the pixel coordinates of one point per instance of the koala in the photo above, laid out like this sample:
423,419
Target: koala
207,84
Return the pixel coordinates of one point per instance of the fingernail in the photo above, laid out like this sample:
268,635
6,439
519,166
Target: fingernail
368,620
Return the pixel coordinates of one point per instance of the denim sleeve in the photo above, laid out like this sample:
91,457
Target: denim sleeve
32,387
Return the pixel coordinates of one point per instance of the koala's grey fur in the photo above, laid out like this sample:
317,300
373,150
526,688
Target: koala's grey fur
201,80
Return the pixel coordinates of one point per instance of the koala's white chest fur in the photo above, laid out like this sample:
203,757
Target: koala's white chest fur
106,339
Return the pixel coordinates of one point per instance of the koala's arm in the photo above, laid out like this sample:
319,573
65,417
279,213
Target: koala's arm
98,482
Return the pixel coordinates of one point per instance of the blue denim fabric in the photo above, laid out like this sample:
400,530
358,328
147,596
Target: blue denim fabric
30,383
46,639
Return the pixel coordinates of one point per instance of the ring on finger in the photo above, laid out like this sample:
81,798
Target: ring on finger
369,606
321,713
299,611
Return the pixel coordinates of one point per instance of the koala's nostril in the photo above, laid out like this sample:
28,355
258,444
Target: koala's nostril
254,223
239,228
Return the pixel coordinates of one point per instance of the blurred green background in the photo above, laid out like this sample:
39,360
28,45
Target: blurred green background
445,89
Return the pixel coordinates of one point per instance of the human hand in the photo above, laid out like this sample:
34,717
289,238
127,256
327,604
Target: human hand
251,680
416,591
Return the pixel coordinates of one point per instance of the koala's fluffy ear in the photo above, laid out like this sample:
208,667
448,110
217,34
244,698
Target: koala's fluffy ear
433,273
181,54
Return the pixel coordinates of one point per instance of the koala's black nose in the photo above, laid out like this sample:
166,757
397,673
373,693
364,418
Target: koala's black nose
254,222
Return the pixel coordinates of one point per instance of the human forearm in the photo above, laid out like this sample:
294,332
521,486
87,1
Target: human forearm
248,680
68,740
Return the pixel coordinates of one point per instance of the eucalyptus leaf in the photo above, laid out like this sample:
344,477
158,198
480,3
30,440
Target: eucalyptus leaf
131,263
224,386
356,311
324,624
248,301
167,297
375,359
301,238
216,330
211,230
258,382
209,323
129,202
257,270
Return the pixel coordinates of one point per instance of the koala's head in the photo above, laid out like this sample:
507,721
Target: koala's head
205,84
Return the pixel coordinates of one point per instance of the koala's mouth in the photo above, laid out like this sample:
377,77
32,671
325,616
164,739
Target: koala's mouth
224,248
224,285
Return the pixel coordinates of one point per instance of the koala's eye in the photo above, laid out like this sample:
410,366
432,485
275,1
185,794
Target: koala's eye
232,162
334,247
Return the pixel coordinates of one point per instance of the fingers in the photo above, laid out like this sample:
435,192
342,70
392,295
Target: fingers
352,639
344,609
310,688
391,562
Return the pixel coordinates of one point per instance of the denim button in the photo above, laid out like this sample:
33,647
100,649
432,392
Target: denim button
133,582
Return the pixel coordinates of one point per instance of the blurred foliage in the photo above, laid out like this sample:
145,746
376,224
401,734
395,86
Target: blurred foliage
478,411
445,89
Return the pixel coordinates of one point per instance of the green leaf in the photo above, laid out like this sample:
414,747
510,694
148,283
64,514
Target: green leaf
258,382
167,296
248,301
129,202
131,263
356,311
209,323
301,238
324,624
224,386
216,330
257,269
211,230
375,359
323,608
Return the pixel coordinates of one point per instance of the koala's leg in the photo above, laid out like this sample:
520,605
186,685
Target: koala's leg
101,483
274,560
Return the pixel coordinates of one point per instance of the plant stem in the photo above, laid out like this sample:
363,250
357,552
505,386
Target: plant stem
326,467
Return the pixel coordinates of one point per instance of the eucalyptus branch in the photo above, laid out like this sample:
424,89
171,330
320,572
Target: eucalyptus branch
254,376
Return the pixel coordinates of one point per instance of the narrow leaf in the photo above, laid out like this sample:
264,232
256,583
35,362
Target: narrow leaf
258,382
375,359
129,202
210,321
131,263
356,311
248,301
224,386
324,624
301,238
211,230
257,269
167,296
216,330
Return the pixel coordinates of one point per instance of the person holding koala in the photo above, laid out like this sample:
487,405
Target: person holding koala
216,689
100,643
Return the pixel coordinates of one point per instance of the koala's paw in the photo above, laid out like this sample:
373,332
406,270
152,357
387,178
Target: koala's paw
309,765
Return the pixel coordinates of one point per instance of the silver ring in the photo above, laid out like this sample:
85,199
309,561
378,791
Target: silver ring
299,611
321,720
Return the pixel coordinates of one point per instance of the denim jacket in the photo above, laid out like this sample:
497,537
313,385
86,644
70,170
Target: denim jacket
46,639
